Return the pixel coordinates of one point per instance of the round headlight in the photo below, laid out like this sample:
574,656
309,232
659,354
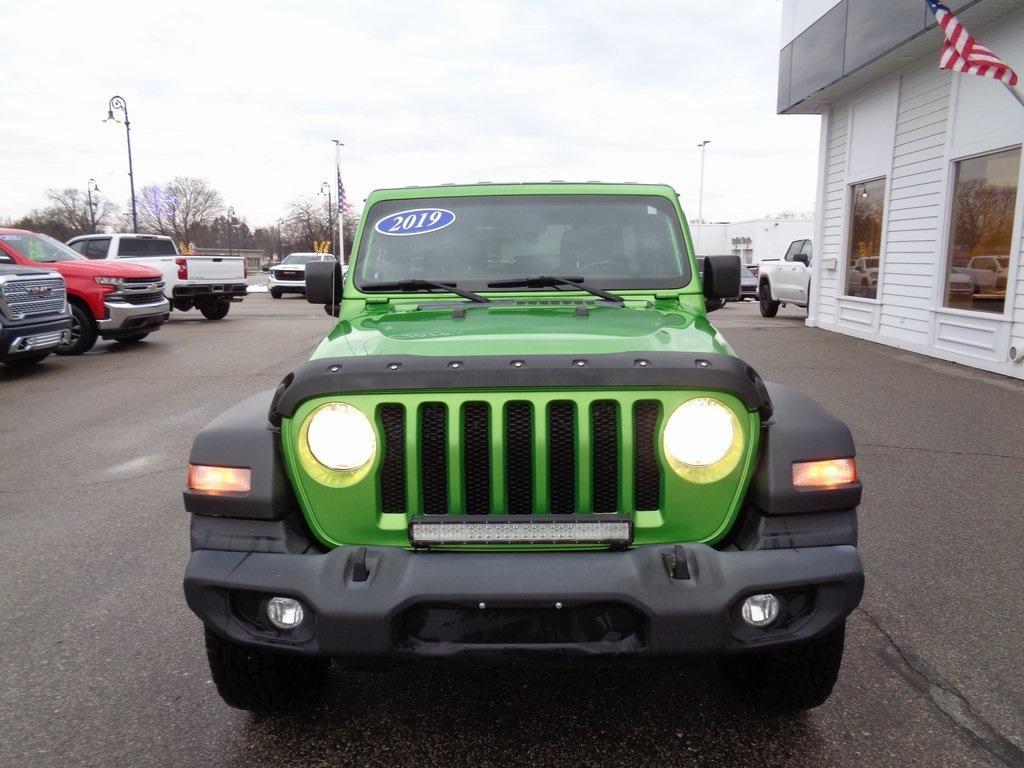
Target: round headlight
340,437
700,433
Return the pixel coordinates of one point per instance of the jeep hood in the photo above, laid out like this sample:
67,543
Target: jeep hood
510,330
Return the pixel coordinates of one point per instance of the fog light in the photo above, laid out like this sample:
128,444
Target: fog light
760,610
284,612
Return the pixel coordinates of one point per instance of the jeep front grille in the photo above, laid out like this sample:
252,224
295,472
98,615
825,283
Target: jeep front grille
32,298
519,457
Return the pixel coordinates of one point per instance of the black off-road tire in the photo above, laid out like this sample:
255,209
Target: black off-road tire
83,332
768,307
215,310
263,681
26,361
135,338
275,294
789,679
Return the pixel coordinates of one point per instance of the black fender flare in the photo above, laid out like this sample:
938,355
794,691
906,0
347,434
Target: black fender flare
800,429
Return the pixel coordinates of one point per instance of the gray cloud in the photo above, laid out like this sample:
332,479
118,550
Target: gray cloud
248,96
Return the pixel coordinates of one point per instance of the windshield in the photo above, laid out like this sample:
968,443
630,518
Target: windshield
611,241
41,248
302,258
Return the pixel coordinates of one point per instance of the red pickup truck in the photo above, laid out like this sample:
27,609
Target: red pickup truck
109,300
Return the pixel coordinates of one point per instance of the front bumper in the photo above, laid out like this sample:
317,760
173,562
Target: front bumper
125,318
481,606
219,291
298,286
26,338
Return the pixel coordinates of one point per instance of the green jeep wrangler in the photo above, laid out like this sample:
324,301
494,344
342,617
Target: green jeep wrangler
523,442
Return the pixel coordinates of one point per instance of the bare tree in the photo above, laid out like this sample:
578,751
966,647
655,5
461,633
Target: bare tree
69,209
179,208
308,223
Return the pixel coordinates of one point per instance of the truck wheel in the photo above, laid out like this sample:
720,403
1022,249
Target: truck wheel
275,294
182,305
215,310
24,361
262,681
133,339
83,333
769,308
794,678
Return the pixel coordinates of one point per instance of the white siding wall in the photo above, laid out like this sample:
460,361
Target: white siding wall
915,204
828,251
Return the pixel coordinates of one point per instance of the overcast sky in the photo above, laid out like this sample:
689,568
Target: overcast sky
249,95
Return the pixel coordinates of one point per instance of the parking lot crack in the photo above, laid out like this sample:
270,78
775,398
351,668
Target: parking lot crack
953,705
938,450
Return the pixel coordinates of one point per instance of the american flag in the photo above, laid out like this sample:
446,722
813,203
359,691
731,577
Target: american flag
962,53
341,194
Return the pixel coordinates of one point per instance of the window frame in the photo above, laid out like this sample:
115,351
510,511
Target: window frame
847,239
1016,256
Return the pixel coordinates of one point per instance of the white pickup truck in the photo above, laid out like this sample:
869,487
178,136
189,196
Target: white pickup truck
786,280
209,283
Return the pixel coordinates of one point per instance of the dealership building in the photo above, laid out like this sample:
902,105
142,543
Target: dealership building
918,228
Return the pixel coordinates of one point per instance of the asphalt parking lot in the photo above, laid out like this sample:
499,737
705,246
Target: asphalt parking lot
101,663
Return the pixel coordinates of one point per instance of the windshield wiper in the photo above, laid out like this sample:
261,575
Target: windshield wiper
408,286
553,281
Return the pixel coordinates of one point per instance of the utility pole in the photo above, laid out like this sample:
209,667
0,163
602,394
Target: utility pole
700,198
91,187
231,218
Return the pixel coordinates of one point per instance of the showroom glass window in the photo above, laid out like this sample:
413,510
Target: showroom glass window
865,251
984,201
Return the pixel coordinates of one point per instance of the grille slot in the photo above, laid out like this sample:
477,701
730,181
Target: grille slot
392,472
476,457
562,457
434,458
646,472
604,420
141,298
519,458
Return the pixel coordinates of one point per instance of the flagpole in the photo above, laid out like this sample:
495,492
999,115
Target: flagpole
1016,94
341,209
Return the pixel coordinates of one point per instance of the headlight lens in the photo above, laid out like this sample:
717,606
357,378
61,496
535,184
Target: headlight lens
702,439
340,437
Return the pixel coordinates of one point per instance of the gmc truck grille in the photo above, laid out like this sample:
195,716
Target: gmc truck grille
286,275
519,457
34,297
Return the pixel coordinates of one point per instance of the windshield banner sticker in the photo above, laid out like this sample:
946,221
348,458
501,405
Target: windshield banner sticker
418,221
10,237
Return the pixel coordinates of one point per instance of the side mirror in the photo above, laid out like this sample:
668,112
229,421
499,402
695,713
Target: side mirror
802,258
323,283
721,280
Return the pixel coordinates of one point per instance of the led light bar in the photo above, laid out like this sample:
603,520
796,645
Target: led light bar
486,529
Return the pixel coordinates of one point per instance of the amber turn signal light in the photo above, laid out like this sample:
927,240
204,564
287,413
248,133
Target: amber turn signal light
206,479
824,474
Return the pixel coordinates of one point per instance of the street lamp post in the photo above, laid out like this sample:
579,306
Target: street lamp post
118,103
91,187
700,198
325,189
230,223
